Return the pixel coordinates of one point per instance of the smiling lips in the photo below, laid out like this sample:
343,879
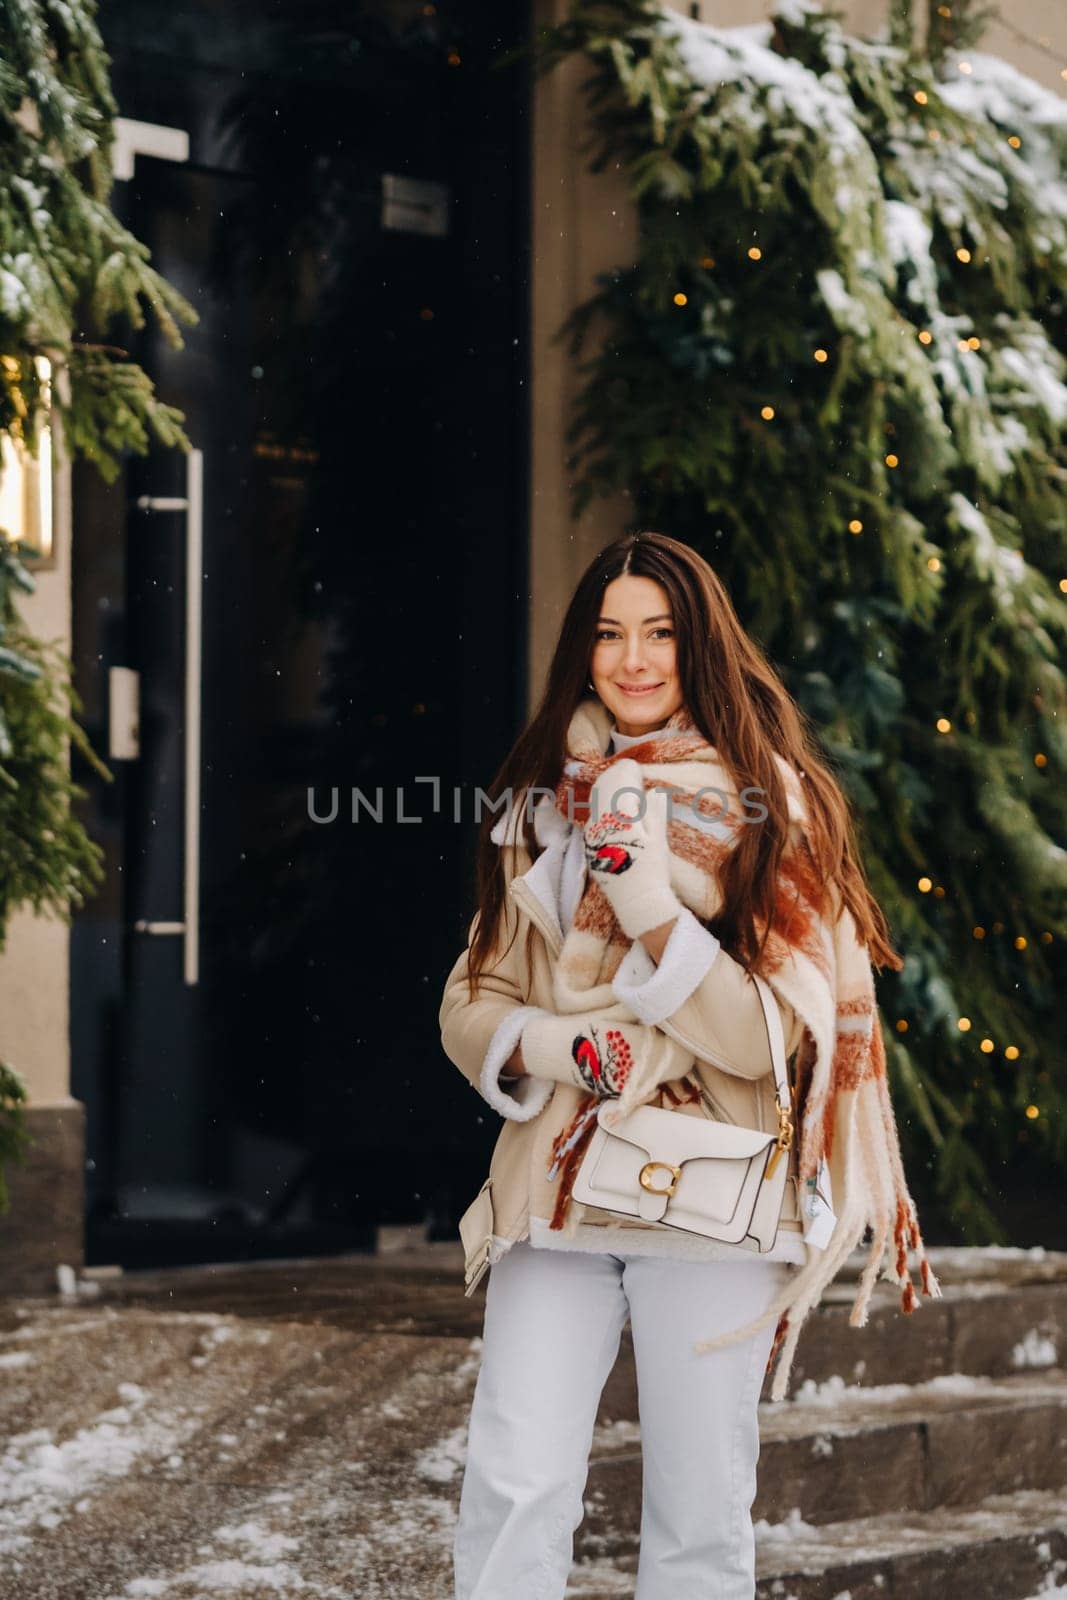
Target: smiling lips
638,689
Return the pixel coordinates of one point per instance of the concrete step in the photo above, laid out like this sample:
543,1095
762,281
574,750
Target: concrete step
1001,1312
1007,1320
845,1452
1004,1309
1005,1547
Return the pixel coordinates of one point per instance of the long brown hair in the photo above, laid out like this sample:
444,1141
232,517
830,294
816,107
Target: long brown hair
737,701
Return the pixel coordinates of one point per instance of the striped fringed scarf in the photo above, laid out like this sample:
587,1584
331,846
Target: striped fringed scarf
817,964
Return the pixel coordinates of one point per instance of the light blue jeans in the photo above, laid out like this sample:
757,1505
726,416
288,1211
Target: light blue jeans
553,1322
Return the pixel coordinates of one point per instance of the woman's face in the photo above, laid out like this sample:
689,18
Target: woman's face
633,665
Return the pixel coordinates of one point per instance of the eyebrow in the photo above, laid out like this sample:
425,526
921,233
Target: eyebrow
663,617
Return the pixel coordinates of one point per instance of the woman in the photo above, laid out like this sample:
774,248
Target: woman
610,957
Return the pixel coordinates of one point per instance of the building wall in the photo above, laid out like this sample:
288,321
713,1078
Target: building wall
46,1190
584,224
34,990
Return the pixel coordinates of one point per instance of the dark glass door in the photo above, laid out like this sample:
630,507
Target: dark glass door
254,994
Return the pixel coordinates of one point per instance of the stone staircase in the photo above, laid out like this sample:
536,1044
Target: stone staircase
918,1457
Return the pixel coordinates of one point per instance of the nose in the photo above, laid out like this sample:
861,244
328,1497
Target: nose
634,655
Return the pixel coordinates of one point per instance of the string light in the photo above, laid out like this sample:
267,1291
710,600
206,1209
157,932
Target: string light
1020,942
707,261
943,725
934,563
925,885
681,299
965,67
925,336
1040,760
1012,1052
821,355
964,1024
974,343
1032,1112
1046,937
1015,142
902,1026
754,252
979,933
987,1047
1063,585
963,254
767,413
855,526
921,97
892,461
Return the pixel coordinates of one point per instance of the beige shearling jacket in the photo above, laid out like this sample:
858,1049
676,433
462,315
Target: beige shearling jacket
709,1007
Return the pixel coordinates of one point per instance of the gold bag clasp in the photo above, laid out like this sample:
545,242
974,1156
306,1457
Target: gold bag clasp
645,1176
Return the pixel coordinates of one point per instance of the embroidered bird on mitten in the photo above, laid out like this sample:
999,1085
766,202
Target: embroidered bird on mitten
626,849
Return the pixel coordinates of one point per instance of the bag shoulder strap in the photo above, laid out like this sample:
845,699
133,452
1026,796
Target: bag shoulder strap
772,1018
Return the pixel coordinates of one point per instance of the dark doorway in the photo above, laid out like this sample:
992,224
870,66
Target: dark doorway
254,992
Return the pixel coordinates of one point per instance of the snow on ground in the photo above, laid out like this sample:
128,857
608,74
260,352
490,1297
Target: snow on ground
16,1358
1037,1349
442,1462
40,1478
834,1390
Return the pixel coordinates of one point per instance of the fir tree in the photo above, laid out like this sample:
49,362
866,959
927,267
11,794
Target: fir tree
837,368
69,272
68,269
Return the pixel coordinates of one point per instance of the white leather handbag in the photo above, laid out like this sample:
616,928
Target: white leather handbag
704,1176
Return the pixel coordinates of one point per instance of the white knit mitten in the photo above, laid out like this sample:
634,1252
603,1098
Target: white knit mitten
603,1052
627,853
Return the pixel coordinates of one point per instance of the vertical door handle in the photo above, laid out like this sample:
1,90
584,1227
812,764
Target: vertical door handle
193,506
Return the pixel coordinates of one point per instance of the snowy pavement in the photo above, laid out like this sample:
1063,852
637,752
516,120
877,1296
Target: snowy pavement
194,1454
287,1429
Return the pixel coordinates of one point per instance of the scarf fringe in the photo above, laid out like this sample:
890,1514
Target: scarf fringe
568,1149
